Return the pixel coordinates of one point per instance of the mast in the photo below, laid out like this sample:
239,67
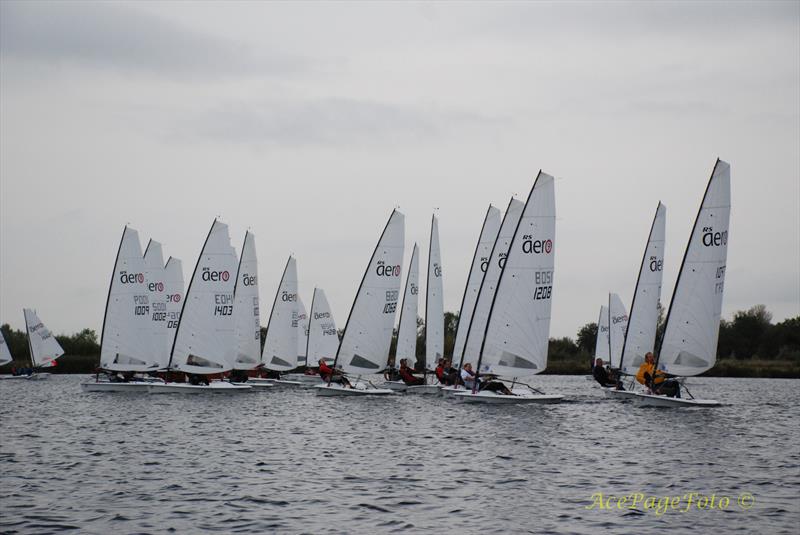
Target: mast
680,271
499,281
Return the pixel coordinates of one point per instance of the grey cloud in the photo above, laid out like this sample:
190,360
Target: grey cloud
111,35
334,121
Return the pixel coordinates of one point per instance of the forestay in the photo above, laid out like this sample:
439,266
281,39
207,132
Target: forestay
173,283
246,314
44,347
618,325
480,315
301,323
480,261
517,333
323,339
407,330
643,320
125,341
205,341
280,345
368,331
434,301
602,346
692,328
154,277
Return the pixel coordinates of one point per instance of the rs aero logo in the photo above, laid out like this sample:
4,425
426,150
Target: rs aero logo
619,319
321,315
714,239
155,286
437,270
656,264
387,271
131,278
249,280
287,297
215,276
529,245
414,289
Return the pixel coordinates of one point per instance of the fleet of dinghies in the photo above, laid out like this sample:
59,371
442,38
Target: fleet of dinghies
157,338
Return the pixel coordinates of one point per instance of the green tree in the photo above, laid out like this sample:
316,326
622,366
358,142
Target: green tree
587,337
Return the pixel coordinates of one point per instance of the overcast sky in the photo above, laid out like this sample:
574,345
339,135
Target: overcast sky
309,122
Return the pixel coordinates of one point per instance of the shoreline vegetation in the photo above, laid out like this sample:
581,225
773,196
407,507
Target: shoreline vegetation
750,345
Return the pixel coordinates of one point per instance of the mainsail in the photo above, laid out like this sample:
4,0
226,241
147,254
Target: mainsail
689,346
173,285
407,330
154,273
516,340
480,261
280,345
617,326
126,338
434,301
5,354
44,347
301,324
245,308
368,331
205,341
602,345
497,259
323,339
643,319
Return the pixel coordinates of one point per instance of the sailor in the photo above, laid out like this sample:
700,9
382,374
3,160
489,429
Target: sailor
602,375
657,381
334,376
408,377
467,375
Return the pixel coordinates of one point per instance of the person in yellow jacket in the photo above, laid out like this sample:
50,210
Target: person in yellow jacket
657,380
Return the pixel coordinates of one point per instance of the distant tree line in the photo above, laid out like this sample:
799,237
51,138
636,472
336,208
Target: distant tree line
749,336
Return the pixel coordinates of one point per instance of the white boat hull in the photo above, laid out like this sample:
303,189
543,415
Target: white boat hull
106,386
215,387
423,389
619,394
495,398
397,386
260,385
335,389
303,378
451,391
649,400
19,377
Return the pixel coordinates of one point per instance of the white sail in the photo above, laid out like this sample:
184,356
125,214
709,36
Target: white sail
368,331
323,339
518,329
618,326
173,282
247,320
280,345
301,323
480,261
205,341
407,330
643,319
5,354
690,337
480,315
434,301
154,273
602,346
44,347
126,339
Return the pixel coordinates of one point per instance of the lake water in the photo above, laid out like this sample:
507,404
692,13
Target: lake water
288,461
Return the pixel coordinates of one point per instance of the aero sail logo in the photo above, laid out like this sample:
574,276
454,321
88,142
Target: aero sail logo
714,239
387,271
131,278
215,276
249,280
529,245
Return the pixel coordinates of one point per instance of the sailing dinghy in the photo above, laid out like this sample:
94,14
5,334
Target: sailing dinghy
407,329
5,354
322,340
135,338
640,334
205,341
44,347
689,343
434,315
488,284
364,349
515,340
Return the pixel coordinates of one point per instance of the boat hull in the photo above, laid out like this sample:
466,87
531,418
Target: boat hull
495,398
133,386
424,389
335,389
649,400
613,393
303,378
451,391
215,387
397,386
